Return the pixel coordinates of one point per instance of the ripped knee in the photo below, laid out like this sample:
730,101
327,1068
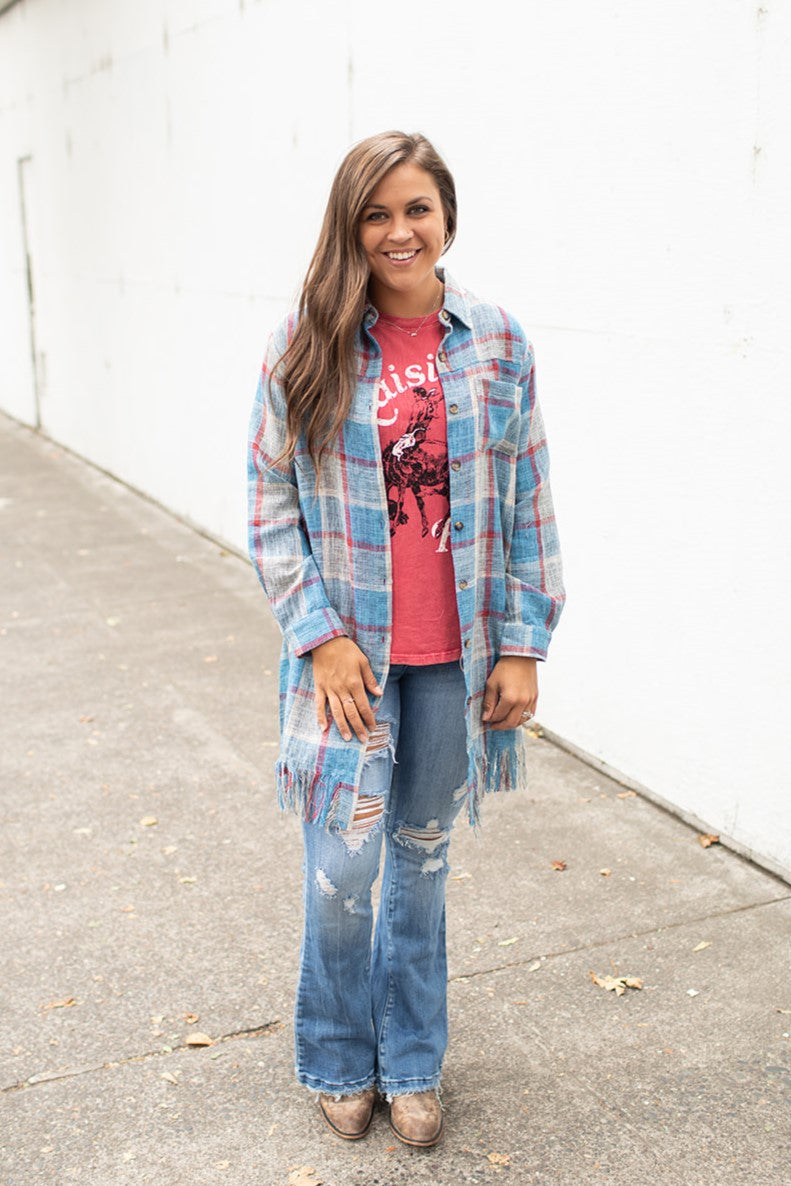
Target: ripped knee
430,840
369,812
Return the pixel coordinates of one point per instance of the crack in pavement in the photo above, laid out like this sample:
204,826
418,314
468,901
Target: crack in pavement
71,1072
670,926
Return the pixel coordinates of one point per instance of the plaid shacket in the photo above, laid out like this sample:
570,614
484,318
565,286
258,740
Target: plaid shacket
324,560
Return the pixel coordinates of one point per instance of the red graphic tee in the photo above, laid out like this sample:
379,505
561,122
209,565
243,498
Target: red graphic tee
414,440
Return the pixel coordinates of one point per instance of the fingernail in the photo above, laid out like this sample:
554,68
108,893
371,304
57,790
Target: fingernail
378,690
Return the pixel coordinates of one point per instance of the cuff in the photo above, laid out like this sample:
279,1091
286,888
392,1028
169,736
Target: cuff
517,638
315,628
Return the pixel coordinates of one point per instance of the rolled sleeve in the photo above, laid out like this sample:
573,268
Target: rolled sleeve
534,578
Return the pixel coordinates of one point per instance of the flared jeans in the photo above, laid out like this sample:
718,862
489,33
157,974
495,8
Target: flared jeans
371,1005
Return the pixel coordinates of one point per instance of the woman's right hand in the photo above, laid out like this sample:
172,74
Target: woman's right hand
341,674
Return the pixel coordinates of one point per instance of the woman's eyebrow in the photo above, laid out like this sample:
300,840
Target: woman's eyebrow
411,202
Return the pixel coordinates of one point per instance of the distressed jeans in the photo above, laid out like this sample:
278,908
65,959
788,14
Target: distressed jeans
376,1012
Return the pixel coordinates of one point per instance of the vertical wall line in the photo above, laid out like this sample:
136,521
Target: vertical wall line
21,173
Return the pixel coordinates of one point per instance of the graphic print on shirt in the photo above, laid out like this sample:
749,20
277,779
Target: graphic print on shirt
415,463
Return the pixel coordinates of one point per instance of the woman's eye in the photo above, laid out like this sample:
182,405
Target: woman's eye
418,209
375,215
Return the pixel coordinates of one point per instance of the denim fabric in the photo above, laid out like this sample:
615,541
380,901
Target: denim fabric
379,1014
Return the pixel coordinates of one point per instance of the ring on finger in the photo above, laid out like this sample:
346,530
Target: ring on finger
348,700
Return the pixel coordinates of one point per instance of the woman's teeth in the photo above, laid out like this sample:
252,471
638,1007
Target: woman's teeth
400,254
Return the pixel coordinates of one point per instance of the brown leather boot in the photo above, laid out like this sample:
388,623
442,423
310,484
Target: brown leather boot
349,1117
417,1119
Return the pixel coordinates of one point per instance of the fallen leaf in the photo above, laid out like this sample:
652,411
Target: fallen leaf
616,984
85,720
508,942
66,1003
558,866
128,909
534,731
786,1011
626,795
171,1078
703,945
390,1149
304,1175
221,1165
521,1001
191,1018
198,1039
693,992
605,872
536,964
707,839
498,1158
459,877
188,880
148,821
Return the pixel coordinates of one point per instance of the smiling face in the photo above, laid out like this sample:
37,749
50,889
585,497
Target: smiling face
402,232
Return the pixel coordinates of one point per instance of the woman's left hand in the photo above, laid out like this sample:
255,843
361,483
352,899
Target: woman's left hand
511,691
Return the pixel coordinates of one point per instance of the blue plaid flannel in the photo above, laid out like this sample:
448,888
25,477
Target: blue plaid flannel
324,562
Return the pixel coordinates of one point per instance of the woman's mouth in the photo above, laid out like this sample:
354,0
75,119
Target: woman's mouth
401,257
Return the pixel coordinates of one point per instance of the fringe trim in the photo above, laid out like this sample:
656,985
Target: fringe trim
496,762
307,794
491,769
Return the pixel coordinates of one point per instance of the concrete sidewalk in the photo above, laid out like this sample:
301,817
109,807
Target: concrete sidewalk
147,876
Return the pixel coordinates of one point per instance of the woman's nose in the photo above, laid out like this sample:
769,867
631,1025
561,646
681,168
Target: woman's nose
400,231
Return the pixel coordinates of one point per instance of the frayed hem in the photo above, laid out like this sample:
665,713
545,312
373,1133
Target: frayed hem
504,769
410,1089
338,1091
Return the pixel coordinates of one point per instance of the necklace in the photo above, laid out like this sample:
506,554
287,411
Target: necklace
412,333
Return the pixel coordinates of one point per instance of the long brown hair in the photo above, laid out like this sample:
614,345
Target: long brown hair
318,368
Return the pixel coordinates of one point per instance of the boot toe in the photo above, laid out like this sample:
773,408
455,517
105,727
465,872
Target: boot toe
417,1119
350,1116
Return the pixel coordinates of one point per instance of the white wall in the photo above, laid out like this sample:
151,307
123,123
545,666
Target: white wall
623,171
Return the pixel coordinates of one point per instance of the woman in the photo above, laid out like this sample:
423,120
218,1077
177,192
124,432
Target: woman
401,524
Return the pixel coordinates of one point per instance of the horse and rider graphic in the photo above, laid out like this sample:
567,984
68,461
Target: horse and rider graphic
410,465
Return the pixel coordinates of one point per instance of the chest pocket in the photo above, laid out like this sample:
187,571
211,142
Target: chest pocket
497,410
